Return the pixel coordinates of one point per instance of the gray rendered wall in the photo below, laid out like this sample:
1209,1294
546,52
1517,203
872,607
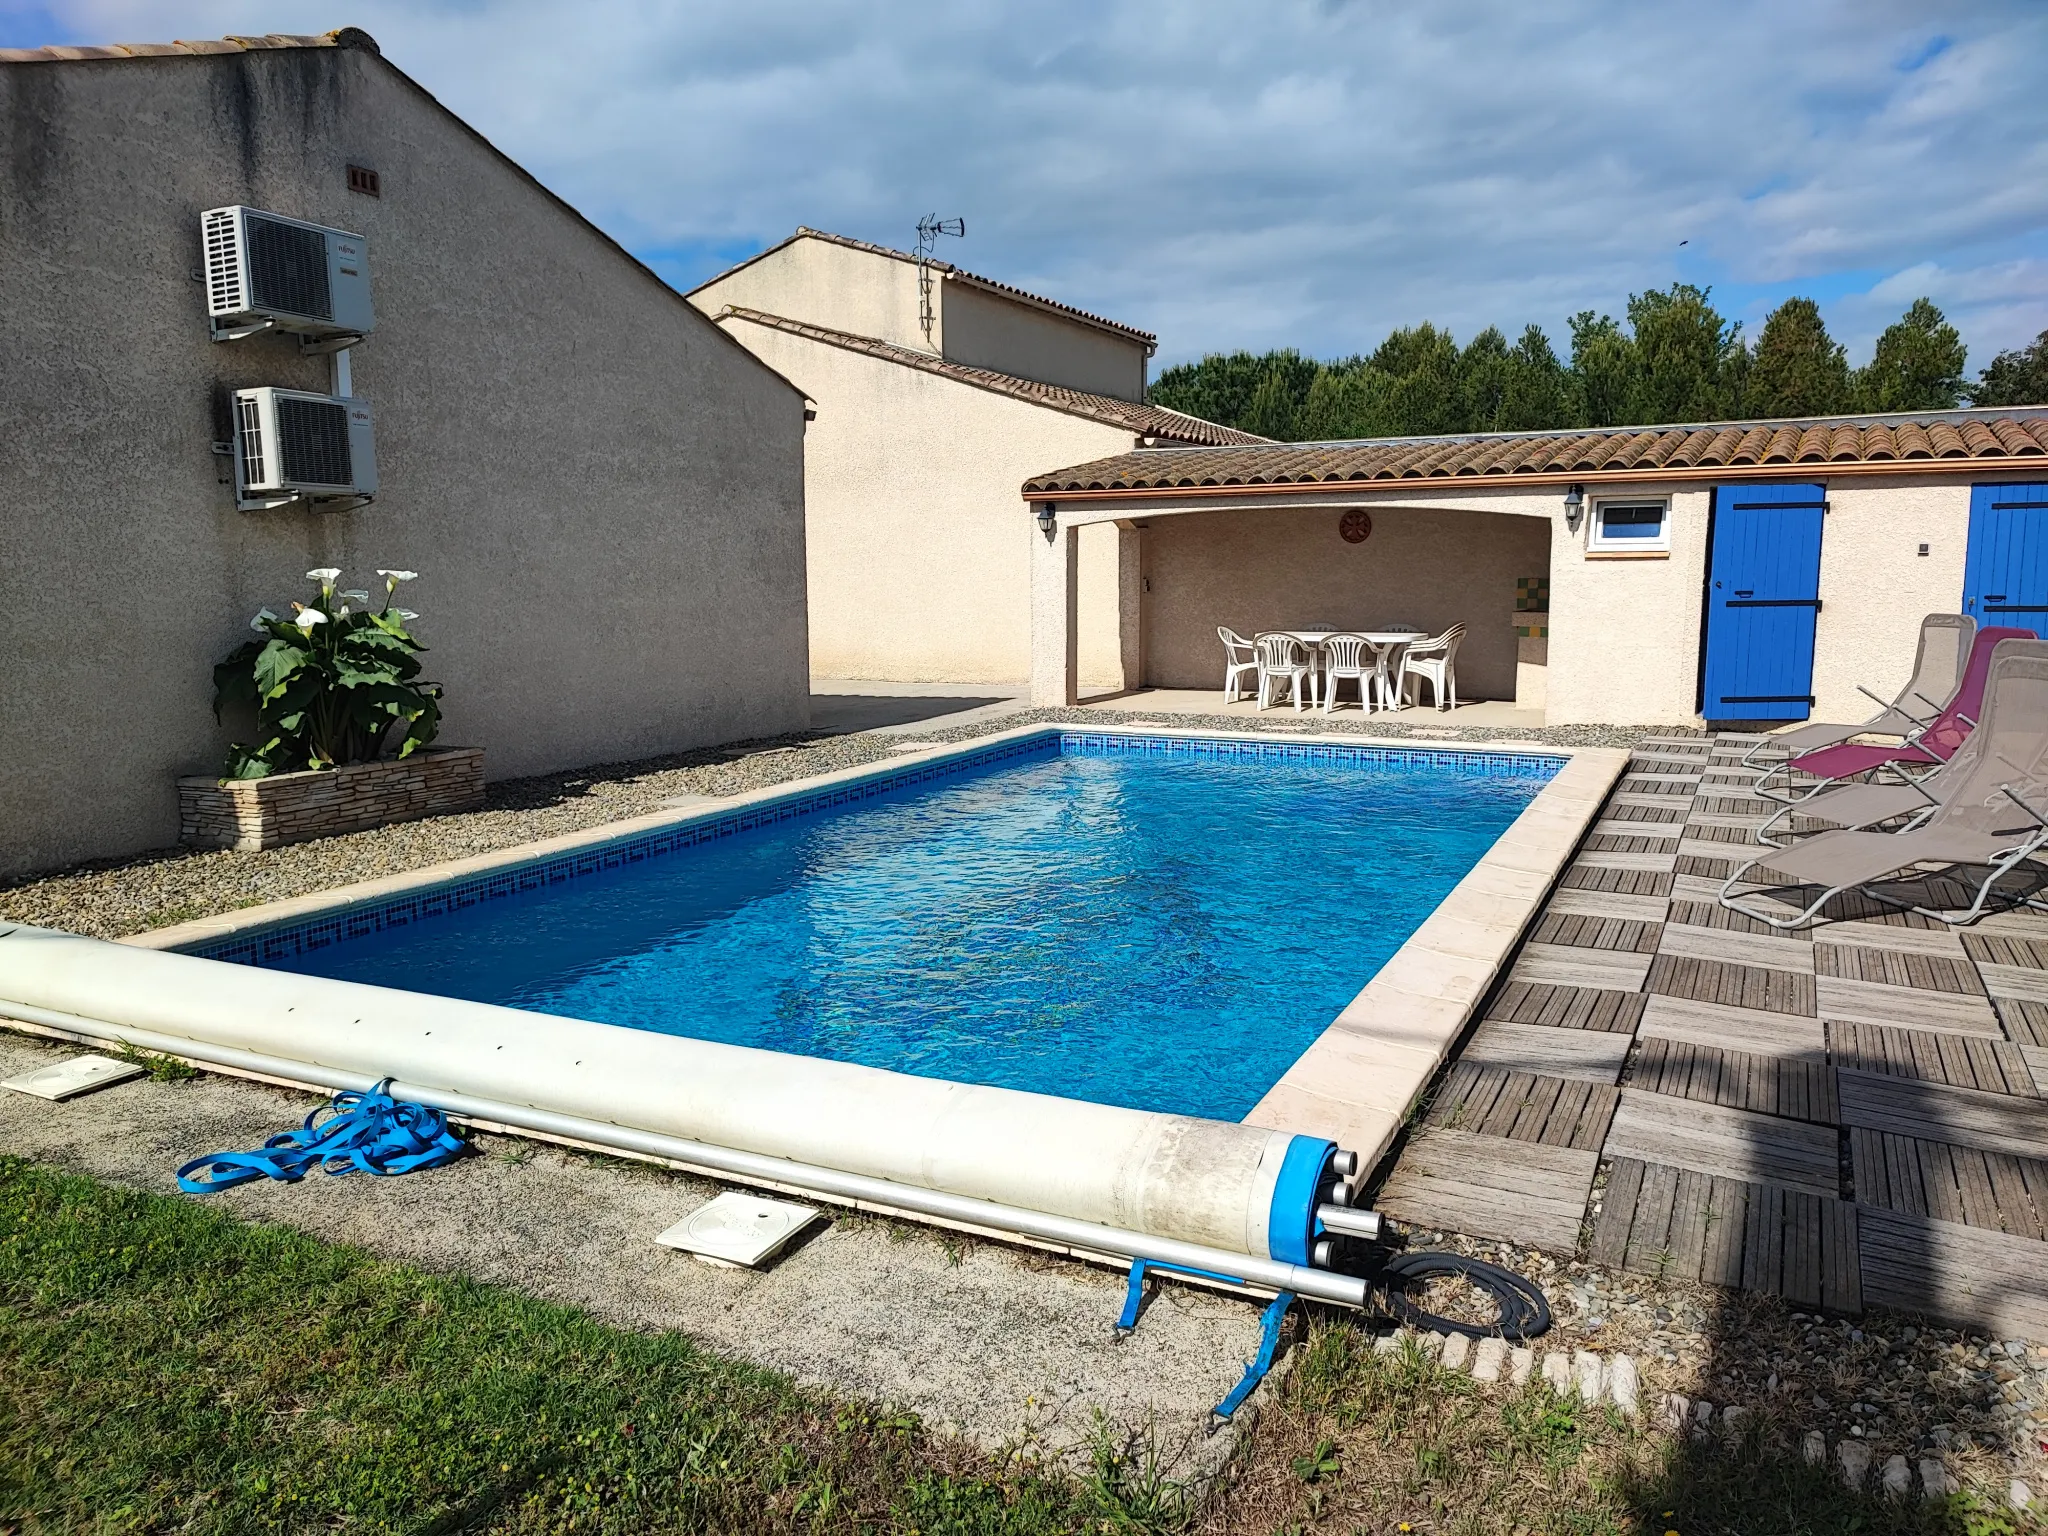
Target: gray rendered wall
603,493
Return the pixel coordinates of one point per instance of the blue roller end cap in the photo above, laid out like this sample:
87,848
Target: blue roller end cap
1291,1225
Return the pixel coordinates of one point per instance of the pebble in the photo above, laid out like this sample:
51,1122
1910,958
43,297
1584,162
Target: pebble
1455,1348
1898,1478
1854,1458
1934,1480
1588,1375
1623,1384
1557,1372
1487,1358
1521,1361
2019,1495
1389,1343
1732,1417
1675,1409
1817,1448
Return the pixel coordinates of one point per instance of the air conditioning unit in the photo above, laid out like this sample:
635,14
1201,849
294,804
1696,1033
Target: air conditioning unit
267,272
291,445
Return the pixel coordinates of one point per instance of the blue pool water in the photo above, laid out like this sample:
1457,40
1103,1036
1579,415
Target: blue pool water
1162,932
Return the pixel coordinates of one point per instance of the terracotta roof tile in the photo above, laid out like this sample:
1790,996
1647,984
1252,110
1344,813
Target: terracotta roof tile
1990,437
1132,415
59,53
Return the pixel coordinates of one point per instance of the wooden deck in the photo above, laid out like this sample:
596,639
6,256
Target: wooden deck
1850,1114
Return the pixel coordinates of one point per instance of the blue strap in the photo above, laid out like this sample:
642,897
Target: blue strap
1269,1344
370,1132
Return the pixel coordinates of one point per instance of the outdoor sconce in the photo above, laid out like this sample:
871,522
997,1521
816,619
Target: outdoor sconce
1045,523
1574,507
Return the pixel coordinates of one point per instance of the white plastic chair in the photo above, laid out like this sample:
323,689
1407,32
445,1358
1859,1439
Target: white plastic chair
1436,660
1348,656
1239,657
1283,659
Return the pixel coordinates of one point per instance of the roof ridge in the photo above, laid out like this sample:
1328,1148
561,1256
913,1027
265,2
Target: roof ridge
1136,415
65,53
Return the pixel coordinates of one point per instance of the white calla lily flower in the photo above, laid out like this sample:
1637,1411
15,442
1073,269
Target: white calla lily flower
356,596
324,573
400,575
263,616
309,617
405,615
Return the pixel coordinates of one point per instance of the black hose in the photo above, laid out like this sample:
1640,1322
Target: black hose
1524,1313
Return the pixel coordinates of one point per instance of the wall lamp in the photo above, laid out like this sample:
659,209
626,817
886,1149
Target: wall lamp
1574,507
1045,521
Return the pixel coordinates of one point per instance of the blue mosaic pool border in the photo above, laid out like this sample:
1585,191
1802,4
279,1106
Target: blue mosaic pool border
297,936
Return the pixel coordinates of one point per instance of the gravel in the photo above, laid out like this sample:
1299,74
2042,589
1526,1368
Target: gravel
114,897
1896,1384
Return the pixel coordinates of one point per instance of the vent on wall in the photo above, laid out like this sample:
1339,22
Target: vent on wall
294,446
364,180
268,272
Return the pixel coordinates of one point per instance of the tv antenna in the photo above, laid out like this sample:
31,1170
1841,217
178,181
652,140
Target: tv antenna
929,228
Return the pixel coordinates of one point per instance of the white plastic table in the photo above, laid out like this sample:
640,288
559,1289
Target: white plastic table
1384,643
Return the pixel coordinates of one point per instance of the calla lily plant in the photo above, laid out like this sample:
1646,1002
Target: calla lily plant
329,684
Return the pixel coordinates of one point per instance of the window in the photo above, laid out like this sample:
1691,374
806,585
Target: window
1630,527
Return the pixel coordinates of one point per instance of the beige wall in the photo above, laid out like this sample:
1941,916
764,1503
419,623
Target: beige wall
1288,567
820,282
1625,632
919,562
991,331
603,494
1875,585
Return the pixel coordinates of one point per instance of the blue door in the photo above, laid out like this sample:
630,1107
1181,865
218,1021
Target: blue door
1763,595
2005,574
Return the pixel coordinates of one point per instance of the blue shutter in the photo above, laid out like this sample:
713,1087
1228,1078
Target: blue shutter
2005,574
1763,597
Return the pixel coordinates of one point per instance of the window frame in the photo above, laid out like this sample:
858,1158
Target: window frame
1598,542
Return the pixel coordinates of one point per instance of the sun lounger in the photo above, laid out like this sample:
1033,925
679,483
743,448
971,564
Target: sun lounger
1994,817
1938,666
1925,748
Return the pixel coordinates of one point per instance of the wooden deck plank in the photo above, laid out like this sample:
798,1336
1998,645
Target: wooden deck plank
1841,1266
2022,983
1942,941
1746,949
1964,1117
1756,1031
2017,1211
1558,965
1897,967
1688,1239
1617,1212
1652,863
1594,1008
1727,1143
1517,1191
1741,986
1727,1220
1960,1274
1593,1055
1802,1247
1962,1061
1763,1239
1865,1002
1649,1235
1641,909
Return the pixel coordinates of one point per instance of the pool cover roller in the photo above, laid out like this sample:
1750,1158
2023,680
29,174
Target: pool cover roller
1224,1186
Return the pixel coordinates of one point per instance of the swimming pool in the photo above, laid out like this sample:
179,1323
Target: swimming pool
1158,922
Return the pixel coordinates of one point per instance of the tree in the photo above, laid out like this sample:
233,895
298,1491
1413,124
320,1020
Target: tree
2015,378
1798,369
1918,365
1218,388
1605,372
1484,371
1273,410
1689,356
1421,364
1539,391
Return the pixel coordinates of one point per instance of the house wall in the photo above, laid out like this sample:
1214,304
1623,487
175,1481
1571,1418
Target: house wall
823,283
991,331
1625,630
1288,567
919,561
1875,586
602,493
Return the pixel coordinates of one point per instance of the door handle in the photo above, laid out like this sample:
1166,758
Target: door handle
1745,591
1994,597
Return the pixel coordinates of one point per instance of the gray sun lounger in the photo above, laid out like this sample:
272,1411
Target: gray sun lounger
1992,816
1938,667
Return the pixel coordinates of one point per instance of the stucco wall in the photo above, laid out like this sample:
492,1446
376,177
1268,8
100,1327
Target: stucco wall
835,286
990,331
603,494
919,563
1288,567
1875,586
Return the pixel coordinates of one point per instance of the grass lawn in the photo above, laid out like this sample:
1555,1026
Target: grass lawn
164,1366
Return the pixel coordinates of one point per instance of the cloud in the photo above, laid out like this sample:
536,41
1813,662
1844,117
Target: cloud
1288,173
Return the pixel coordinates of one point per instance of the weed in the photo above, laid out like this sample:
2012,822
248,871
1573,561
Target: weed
161,1069
1319,1463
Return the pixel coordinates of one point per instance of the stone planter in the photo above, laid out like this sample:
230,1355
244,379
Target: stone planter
292,807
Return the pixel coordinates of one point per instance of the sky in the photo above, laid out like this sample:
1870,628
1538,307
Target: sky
1304,173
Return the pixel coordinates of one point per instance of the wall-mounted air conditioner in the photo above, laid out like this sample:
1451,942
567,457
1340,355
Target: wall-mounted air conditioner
267,272
294,446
